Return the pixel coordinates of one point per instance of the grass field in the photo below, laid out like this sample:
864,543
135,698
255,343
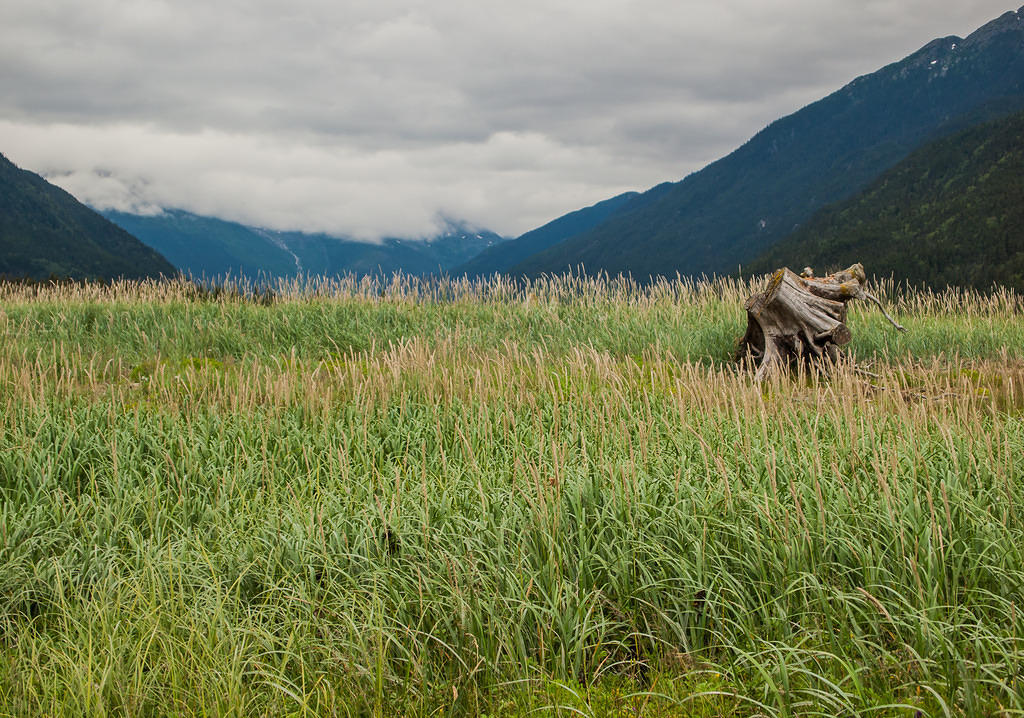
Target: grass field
447,498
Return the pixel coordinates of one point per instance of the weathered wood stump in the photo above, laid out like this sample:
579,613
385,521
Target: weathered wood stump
801,318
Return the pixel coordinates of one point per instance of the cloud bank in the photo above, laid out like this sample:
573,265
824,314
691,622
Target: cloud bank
375,119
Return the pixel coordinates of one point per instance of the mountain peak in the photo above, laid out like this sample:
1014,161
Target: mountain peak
935,51
1009,22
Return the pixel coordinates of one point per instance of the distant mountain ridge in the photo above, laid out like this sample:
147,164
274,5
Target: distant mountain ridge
951,213
44,232
215,248
502,257
735,208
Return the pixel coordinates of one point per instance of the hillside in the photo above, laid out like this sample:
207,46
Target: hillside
952,213
502,257
206,246
734,209
211,247
45,231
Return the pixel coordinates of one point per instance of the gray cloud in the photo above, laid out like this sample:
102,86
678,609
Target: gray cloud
372,119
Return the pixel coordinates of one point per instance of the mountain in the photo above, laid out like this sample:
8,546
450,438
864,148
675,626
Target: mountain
952,213
205,246
502,257
211,247
734,209
45,231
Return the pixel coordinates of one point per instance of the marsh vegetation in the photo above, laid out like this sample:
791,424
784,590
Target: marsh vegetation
427,498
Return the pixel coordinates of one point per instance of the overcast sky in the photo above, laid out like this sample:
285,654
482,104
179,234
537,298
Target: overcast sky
375,117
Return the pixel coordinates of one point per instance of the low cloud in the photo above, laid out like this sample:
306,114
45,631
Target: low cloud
285,183
374,119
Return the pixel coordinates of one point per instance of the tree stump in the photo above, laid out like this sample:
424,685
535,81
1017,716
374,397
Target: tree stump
801,318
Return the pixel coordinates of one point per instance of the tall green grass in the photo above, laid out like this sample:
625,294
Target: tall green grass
459,498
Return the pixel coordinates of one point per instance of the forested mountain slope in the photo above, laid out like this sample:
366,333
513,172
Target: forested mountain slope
45,231
502,257
952,213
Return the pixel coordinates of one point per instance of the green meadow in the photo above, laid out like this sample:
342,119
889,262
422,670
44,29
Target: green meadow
412,498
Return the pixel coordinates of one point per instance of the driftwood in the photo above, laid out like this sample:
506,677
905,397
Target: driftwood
801,318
